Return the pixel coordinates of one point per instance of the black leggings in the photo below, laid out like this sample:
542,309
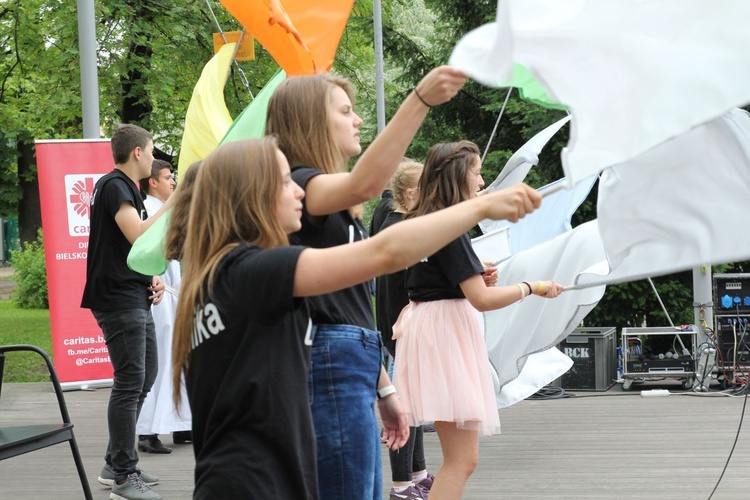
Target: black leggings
410,458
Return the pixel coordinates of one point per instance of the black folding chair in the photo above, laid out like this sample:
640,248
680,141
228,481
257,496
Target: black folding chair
19,439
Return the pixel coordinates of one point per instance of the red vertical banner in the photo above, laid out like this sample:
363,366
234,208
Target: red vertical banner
67,171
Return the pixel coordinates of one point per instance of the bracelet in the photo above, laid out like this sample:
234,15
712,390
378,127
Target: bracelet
541,288
386,391
520,289
420,98
527,284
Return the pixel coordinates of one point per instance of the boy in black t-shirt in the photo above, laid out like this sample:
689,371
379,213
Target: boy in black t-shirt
120,300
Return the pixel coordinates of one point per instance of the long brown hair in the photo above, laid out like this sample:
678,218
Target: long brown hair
299,116
445,179
183,195
238,185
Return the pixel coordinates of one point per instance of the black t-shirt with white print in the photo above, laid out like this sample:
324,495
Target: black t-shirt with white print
247,381
439,277
110,284
350,306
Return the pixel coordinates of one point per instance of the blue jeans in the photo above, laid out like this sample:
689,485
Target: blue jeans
131,341
342,387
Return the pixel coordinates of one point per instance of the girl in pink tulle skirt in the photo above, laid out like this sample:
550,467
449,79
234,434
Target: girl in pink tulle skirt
442,370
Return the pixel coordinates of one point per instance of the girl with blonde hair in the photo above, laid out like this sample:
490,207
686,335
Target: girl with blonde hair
411,481
318,131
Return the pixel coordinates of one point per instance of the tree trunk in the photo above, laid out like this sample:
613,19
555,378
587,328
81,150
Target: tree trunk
136,102
29,207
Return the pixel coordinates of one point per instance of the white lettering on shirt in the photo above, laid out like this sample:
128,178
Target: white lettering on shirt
207,322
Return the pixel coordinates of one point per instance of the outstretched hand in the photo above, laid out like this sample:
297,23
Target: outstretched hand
395,426
512,203
440,85
546,289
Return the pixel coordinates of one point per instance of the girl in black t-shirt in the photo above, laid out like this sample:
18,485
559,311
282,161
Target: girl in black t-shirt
318,130
442,369
243,330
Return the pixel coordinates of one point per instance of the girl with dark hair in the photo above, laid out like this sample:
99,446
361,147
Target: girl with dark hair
442,369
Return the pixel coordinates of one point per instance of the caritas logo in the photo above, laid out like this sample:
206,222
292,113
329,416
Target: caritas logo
78,191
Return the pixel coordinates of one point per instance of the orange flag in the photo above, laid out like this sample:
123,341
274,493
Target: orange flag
301,37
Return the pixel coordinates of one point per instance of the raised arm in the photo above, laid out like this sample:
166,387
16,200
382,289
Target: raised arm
326,194
325,270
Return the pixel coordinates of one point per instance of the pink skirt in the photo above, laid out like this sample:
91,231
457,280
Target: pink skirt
442,371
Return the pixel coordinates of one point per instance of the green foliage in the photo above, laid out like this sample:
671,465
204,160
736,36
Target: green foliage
24,326
150,57
10,192
474,113
31,275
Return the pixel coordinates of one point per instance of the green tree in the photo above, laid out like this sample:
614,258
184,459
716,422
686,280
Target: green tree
149,58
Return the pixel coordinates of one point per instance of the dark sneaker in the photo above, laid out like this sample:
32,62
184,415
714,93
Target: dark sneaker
182,437
425,485
410,493
133,488
107,476
152,445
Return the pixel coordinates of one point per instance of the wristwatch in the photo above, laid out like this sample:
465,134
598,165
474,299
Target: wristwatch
386,391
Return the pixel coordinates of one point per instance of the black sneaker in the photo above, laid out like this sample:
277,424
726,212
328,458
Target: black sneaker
152,445
182,437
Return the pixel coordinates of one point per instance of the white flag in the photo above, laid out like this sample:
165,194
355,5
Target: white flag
549,220
535,325
682,204
633,73
518,165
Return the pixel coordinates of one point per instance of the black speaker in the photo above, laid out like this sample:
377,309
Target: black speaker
594,355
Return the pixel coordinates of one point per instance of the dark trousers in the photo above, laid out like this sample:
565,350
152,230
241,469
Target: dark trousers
131,341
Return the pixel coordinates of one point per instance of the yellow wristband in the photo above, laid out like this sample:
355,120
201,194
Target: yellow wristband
541,288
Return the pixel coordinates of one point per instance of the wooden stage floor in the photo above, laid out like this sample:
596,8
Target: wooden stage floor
592,445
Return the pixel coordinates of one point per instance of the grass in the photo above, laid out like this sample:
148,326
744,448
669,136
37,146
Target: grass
24,326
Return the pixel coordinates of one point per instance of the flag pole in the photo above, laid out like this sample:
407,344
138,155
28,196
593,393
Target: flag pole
492,135
555,189
377,20
89,77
